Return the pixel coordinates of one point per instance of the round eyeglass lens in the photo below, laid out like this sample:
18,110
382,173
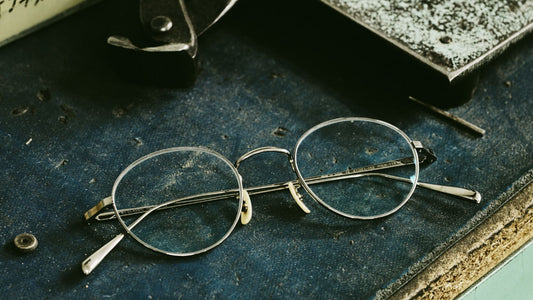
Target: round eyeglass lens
183,201
357,167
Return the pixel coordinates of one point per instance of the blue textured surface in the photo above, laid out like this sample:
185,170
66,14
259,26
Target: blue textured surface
60,156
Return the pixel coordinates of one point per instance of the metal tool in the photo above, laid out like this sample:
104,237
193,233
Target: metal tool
474,128
168,47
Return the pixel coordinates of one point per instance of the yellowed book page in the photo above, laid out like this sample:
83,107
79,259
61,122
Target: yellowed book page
20,17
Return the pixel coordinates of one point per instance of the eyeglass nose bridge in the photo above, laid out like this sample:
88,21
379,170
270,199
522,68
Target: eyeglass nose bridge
264,150
292,188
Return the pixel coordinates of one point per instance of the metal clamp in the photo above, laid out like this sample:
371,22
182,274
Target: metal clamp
167,48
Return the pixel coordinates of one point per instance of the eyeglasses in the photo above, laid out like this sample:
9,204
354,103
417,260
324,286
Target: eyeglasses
187,200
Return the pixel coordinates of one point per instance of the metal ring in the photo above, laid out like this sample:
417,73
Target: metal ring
169,151
25,242
357,119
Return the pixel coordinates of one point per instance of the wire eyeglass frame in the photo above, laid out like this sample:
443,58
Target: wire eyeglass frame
420,155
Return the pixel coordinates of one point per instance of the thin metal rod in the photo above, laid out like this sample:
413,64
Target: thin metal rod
456,119
426,156
219,195
466,194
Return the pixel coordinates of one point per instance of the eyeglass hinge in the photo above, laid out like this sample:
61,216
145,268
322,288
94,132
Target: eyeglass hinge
88,215
426,156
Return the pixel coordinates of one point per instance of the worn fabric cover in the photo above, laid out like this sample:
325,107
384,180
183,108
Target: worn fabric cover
69,123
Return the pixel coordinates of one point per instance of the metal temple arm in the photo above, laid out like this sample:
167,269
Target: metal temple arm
463,193
426,157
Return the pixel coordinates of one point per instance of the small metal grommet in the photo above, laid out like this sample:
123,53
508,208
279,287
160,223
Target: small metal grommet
25,242
161,24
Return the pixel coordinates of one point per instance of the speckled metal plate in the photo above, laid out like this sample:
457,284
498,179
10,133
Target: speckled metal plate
453,37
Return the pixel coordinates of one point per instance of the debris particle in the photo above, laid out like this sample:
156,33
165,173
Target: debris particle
225,136
68,113
137,142
275,75
337,235
352,242
68,110
508,84
29,141
63,162
371,150
281,131
92,181
44,95
62,119
19,111
445,39
238,278
118,112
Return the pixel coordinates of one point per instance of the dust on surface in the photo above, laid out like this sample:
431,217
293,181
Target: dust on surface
450,33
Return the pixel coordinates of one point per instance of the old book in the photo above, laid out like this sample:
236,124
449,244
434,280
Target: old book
21,17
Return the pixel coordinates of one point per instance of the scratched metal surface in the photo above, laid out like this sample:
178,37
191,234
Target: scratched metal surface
69,124
451,36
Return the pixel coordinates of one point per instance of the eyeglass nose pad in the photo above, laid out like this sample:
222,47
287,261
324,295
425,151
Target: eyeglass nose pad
298,197
246,213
